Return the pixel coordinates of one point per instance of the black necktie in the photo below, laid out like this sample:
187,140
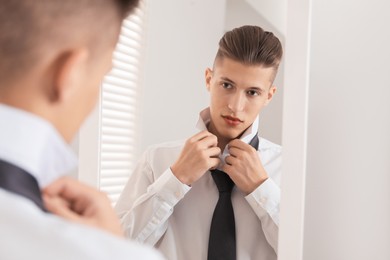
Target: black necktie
222,240
20,182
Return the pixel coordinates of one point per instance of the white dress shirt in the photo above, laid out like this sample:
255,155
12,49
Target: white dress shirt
157,209
27,232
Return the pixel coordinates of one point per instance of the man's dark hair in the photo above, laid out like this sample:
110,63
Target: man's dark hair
251,45
30,29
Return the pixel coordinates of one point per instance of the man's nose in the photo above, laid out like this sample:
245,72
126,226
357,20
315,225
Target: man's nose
237,102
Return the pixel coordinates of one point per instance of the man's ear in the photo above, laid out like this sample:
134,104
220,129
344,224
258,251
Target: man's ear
208,75
271,93
70,74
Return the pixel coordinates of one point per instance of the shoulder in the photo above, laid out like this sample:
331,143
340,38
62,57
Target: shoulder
268,146
159,157
171,145
164,150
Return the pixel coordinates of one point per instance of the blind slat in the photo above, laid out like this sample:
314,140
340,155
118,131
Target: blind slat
117,139
117,123
112,190
111,83
118,107
119,95
117,115
114,173
116,165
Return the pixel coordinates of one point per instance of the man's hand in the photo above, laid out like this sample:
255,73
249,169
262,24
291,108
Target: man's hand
80,203
244,166
200,153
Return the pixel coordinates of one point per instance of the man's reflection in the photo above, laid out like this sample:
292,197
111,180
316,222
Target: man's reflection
215,195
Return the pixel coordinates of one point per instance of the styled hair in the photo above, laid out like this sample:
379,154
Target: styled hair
251,45
31,29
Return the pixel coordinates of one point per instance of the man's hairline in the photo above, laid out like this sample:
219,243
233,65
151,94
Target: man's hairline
219,58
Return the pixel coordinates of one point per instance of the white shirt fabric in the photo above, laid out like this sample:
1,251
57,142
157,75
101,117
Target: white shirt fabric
27,232
157,209
34,145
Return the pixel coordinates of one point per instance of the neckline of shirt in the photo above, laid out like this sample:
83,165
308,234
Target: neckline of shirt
33,144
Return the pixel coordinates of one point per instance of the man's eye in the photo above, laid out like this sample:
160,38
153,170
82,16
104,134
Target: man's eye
226,85
253,93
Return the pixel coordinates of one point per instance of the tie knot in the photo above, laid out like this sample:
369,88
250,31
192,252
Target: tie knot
222,180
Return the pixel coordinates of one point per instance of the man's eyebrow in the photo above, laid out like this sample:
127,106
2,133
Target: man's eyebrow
257,88
228,80
261,89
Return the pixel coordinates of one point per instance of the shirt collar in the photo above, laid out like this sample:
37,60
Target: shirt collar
34,145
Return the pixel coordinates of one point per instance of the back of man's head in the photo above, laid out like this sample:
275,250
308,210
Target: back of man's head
251,45
31,29
54,54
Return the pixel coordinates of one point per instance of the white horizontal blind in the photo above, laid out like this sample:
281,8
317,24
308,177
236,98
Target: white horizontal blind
119,105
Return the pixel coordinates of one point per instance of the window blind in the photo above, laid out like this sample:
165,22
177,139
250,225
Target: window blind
119,107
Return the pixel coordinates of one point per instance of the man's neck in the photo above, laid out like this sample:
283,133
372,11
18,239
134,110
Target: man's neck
222,141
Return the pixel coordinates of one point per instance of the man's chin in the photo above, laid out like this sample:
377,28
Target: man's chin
230,135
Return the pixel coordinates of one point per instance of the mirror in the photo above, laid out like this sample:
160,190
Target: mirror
179,46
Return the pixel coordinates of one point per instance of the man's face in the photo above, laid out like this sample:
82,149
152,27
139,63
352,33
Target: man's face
238,94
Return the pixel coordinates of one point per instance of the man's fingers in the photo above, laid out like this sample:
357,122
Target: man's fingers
60,207
214,162
226,168
209,141
213,151
54,188
64,186
230,160
235,152
73,191
237,143
199,136
81,205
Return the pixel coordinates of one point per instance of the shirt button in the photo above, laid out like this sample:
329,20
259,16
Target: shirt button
178,194
263,200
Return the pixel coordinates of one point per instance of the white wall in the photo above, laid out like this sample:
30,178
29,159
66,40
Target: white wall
295,103
182,40
239,13
347,169
274,11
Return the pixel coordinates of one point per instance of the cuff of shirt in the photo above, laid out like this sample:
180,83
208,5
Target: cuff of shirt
170,189
266,197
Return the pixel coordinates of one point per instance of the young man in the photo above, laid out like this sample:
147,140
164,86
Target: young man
175,199
53,55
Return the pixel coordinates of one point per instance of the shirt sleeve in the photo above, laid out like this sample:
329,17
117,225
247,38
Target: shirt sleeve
147,202
265,202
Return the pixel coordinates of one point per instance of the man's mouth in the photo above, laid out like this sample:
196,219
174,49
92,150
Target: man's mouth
233,121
